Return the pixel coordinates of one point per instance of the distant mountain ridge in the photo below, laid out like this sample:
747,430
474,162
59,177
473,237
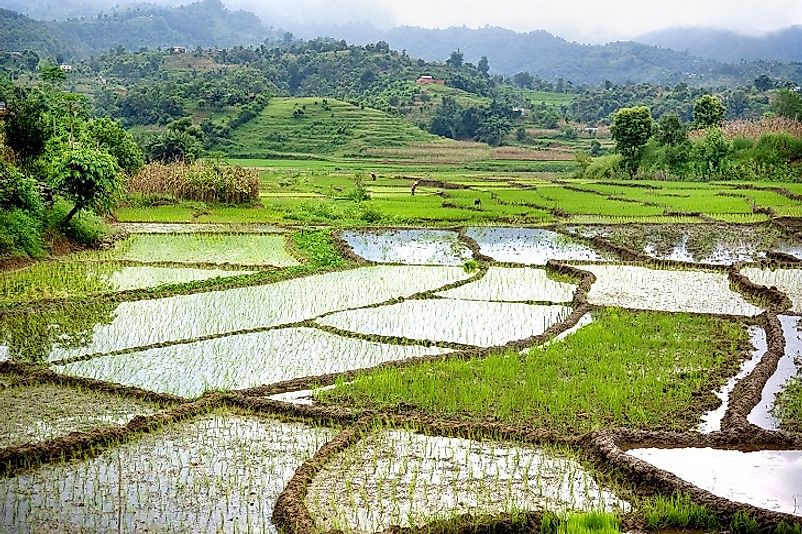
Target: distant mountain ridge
551,57
783,45
208,23
204,23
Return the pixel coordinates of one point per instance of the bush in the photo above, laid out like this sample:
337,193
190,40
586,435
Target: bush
604,167
18,190
204,182
85,228
20,233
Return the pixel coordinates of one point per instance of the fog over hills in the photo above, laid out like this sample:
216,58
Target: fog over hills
694,55
729,46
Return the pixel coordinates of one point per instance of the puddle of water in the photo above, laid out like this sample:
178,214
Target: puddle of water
711,421
235,249
642,288
699,243
47,411
514,285
186,317
406,479
766,479
483,324
788,281
194,228
303,397
414,246
761,414
792,248
65,279
218,473
243,361
531,246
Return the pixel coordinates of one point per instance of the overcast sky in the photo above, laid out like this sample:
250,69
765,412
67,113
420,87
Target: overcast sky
584,20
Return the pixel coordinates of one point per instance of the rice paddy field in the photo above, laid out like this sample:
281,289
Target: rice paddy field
500,352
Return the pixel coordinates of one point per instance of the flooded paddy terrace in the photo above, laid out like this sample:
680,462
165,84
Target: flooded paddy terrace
440,294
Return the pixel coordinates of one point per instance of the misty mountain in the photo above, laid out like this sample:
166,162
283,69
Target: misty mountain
539,53
63,9
722,45
205,23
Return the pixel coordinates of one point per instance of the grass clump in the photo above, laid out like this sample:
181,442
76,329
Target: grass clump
580,523
788,528
318,247
743,523
677,511
628,368
788,407
590,523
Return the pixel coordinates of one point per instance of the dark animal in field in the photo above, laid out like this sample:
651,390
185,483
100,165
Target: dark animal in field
478,202
373,175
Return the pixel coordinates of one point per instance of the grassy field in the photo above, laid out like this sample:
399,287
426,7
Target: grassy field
319,126
342,191
633,369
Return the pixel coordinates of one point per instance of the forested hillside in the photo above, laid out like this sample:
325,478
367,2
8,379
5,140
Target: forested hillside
552,58
731,47
206,23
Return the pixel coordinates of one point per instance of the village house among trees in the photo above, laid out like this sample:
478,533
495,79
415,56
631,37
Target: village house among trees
429,80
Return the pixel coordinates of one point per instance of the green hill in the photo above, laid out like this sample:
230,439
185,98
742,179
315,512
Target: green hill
320,126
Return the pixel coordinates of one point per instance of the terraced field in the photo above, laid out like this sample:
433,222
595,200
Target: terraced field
322,126
570,378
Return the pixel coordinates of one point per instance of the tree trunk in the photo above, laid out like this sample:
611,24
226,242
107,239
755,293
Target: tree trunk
75,209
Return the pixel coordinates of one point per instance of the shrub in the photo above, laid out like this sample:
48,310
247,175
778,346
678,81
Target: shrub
204,182
85,228
20,233
18,190
604,167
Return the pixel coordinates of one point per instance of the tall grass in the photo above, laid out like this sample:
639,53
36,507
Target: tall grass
204,182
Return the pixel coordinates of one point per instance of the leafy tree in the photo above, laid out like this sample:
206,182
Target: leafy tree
172,146
27,128
708,112
671,131
764,83
52,74
494,129
109,135
484,66
631,130
456,59
523,79
788,104
710,153
87,176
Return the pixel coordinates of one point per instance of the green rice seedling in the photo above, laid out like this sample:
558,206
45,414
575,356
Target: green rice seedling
637,287
637,376
47,411
229,468
590,523
235,249
677,511
531,246
184,318
550,523
743,523
452,476
788,528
